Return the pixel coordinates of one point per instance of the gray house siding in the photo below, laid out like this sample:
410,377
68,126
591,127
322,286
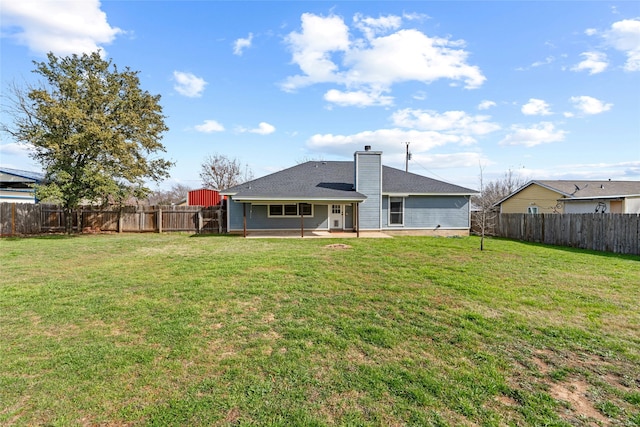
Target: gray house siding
450,212
368,176
257,219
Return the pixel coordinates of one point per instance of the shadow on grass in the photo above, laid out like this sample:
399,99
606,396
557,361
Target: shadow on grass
569,249
42,237
216,236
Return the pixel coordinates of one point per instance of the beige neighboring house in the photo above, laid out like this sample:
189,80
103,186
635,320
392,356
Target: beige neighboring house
569,196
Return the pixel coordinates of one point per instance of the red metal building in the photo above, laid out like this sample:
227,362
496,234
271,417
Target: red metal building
203,197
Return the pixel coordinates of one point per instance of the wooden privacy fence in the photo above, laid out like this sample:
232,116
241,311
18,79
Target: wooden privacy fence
618,233
17,219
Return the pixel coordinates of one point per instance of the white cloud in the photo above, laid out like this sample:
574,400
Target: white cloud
241,44
311,49
486,104
409,55
263,128
425,130
386,140
15,149
420,95
371,27
548,60
357,98
466,159
594,62
589,105
454,122
210,126
188,84
326,52
625,36
61,27
414,16
536,107
542,133
598,171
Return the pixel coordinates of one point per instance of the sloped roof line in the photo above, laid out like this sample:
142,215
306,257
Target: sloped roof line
36,176
562,187
594,188
608,196
322,178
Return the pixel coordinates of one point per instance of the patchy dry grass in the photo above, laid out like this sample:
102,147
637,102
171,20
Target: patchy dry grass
178,330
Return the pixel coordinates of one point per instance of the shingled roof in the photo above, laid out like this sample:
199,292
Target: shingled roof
334,180
581,189
25,175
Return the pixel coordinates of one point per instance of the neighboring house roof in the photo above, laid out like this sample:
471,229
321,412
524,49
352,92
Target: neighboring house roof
334,180
584,189
13,175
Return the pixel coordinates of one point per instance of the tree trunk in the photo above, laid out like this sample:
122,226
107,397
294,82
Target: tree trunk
68,220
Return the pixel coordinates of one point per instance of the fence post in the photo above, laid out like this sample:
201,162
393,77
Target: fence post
200,221
159,219
13,219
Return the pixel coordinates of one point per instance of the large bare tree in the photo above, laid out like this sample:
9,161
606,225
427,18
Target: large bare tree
219,172
175,194
491,193
499,188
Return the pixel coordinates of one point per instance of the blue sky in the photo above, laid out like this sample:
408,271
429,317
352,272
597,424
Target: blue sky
550,90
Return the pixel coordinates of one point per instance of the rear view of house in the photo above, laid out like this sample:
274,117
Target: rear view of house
362,195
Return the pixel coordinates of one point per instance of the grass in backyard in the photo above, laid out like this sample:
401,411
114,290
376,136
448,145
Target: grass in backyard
178,330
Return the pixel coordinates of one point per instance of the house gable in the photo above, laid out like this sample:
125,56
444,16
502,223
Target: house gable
533,196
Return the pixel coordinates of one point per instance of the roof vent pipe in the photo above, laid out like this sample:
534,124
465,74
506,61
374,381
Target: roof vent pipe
367,148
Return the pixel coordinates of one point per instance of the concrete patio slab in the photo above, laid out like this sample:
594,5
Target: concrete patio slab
315,234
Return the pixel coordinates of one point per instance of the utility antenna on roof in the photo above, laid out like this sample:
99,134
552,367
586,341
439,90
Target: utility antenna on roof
407,158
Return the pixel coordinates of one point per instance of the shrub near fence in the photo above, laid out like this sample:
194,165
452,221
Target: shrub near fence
21,219
618,233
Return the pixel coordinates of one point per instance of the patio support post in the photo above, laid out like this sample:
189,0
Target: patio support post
244,220
357,219
301,224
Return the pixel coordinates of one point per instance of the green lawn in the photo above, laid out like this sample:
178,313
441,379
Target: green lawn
173,329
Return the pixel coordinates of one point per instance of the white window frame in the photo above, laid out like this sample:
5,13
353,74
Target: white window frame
310,209
283,207
389,213
532,210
